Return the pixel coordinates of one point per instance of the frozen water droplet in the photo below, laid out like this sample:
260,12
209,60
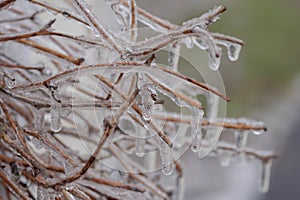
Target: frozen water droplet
214,59
240,139
202,43
189,42
10,82
47,71
265,175
233,51
167,169
55,118
196,144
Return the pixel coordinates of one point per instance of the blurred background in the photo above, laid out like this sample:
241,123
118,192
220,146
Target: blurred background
263,84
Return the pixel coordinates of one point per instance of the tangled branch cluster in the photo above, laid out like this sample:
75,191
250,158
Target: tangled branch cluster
81,116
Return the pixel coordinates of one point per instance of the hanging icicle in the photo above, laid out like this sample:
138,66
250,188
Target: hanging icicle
265,175
166,157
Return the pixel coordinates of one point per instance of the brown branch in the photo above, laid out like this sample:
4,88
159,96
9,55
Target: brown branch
115,184
136,108
76,61
109,37
109,128
13,186
179,95
6,3
205,122
143,180
263,156
190,80
3,64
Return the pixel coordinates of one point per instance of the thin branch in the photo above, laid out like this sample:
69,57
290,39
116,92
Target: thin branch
60,10
13,186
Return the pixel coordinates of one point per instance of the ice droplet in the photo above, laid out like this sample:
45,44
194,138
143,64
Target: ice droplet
55,117
265,175
201,43
166,157
189,42
214,59
233,51
240,139
10,82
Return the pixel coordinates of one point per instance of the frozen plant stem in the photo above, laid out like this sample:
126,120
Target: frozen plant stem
65,91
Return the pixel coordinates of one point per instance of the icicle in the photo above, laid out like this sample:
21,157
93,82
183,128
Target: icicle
166,157
174,51
233,51
55,117
39,120
10,82
140,142
212,106
240,139
209,140
197,115
265,175
214,59
140,147
179,189
148,95
225,157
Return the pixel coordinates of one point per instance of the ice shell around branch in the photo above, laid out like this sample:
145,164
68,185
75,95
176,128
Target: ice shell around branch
148,95
166,157
240,139
197,115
